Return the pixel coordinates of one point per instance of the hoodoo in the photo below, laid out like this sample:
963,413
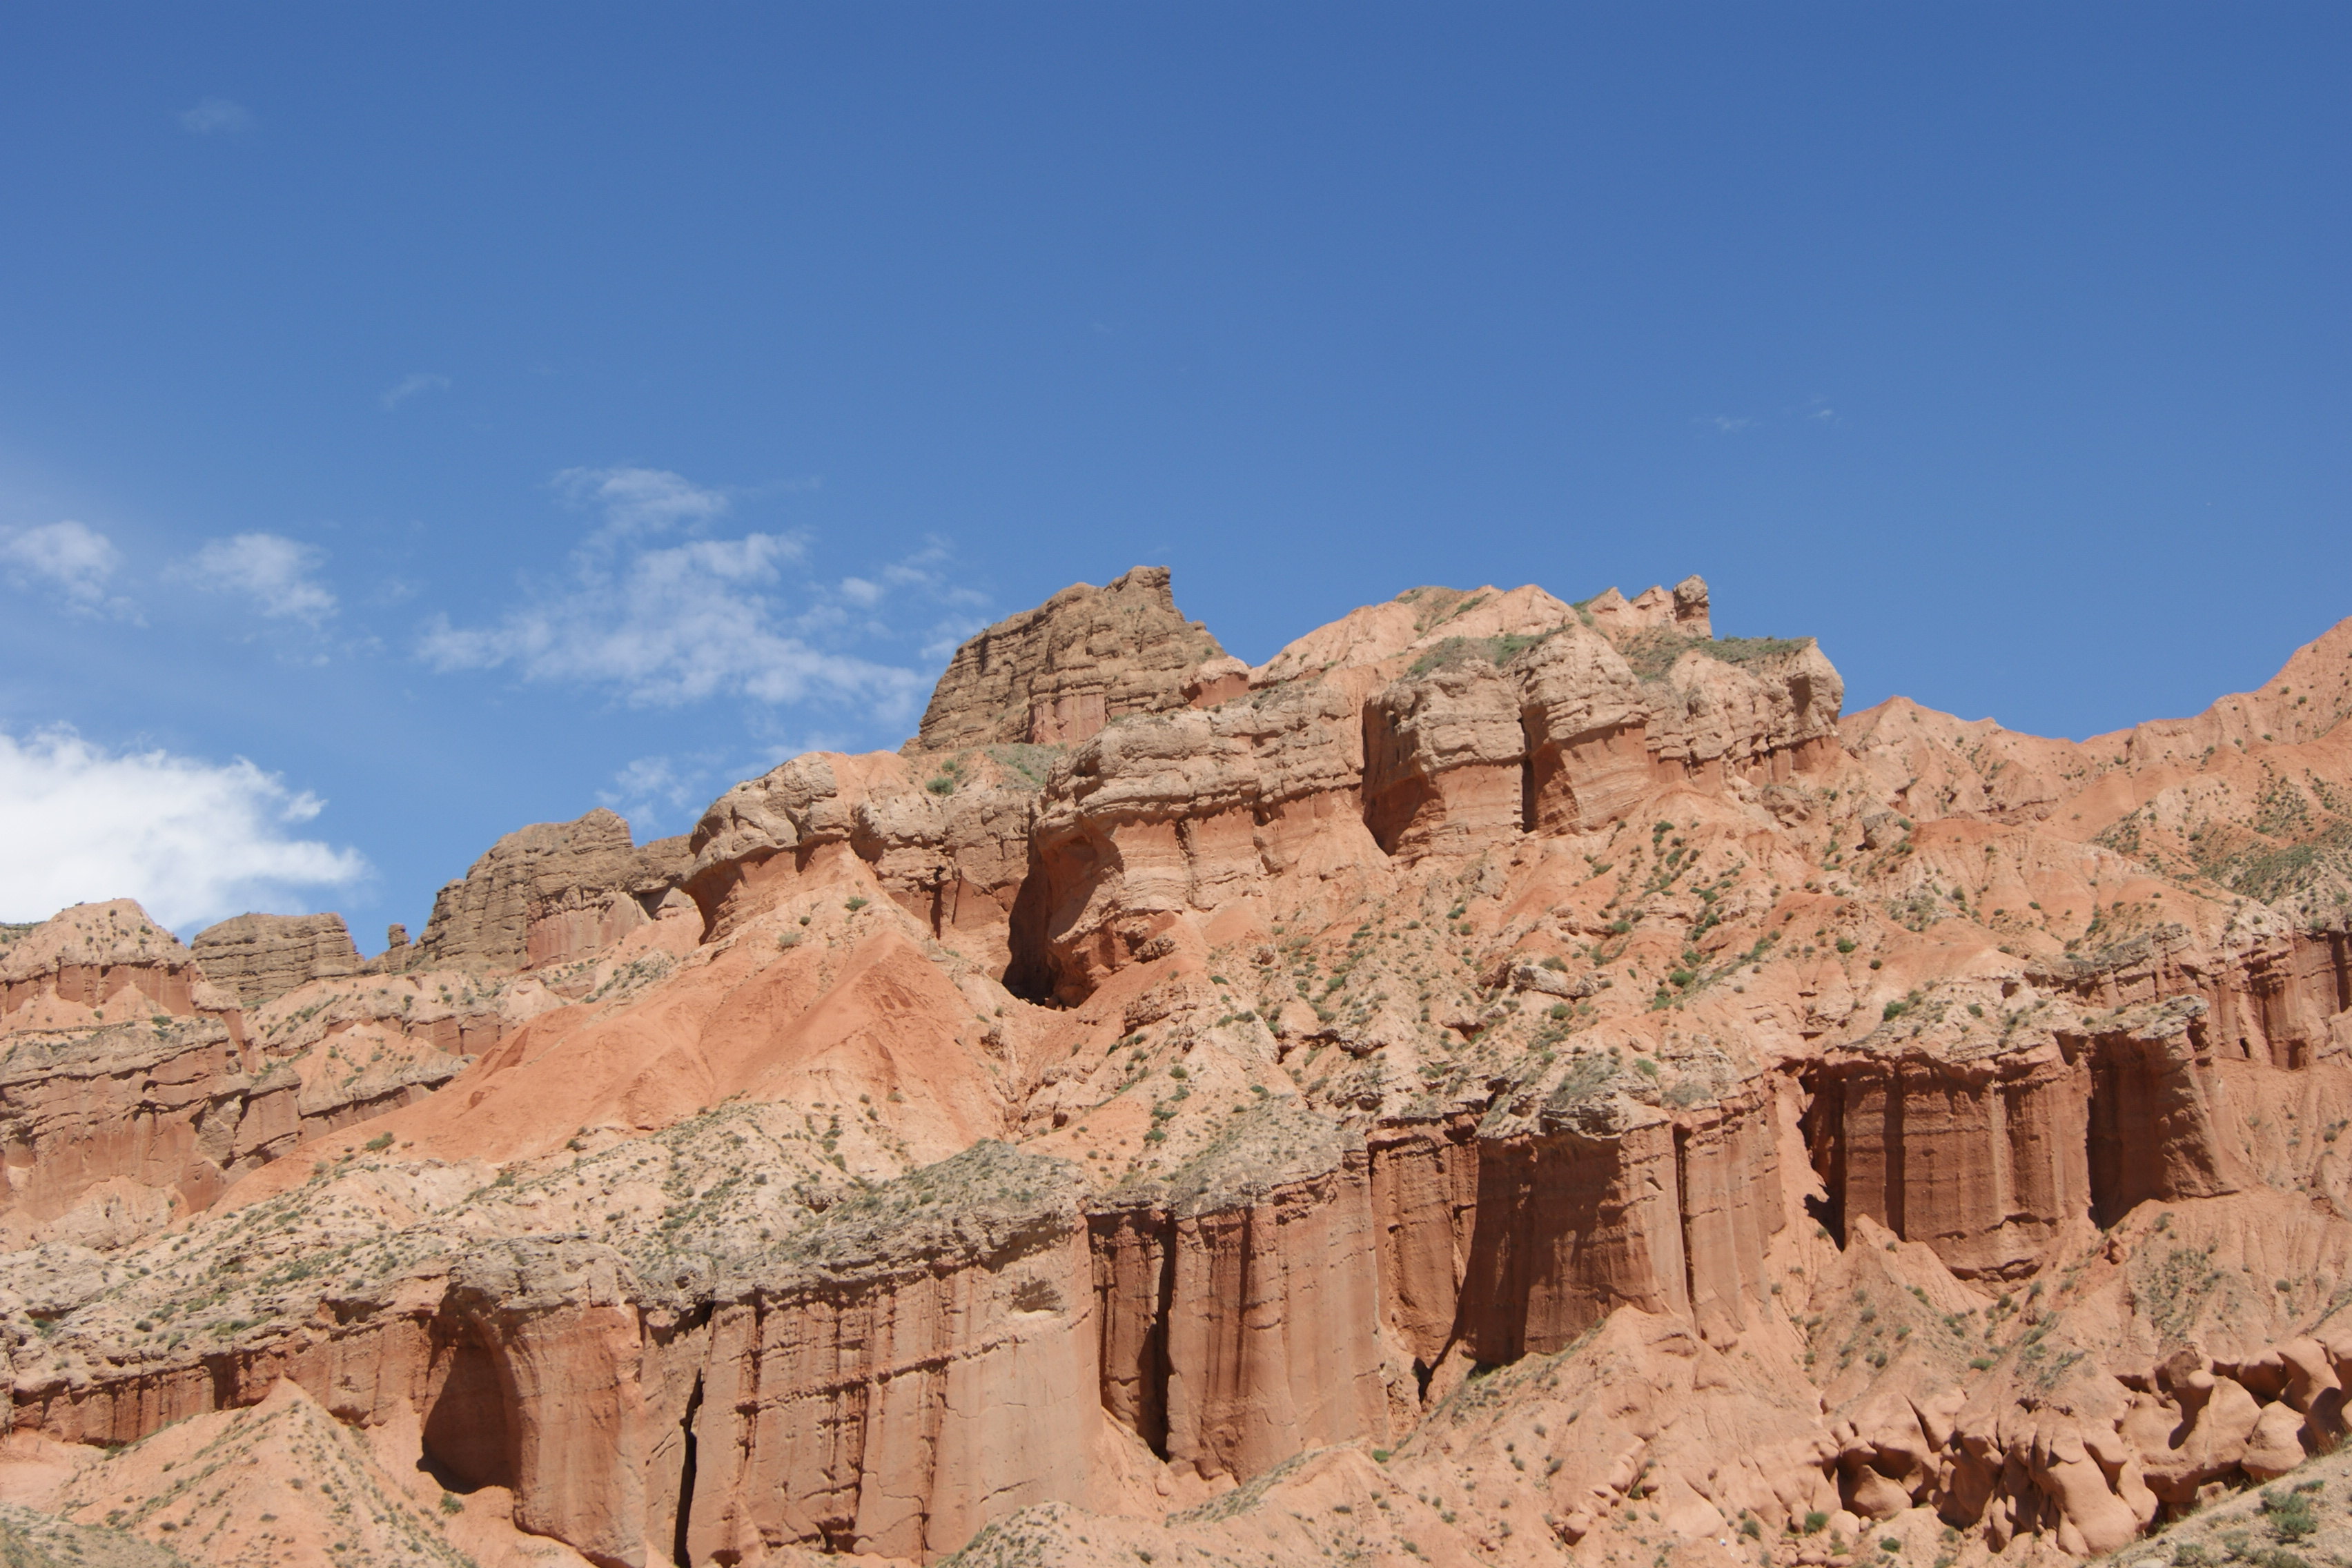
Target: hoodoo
1505,1081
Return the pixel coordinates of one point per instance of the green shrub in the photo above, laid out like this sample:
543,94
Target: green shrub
2291,1517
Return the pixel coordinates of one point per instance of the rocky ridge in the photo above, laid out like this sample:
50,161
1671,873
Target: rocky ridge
1504,1080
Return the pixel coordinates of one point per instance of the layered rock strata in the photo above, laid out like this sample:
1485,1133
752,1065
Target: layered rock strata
260,957
1060,672
547,894
1504,1080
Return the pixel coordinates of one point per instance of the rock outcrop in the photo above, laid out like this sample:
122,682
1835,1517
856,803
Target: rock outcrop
134,1091
1060,672
126,1089
548,894
258,958
951,847
1506,1080
70,970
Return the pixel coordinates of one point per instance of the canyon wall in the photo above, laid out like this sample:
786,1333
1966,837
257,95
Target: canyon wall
1527,1077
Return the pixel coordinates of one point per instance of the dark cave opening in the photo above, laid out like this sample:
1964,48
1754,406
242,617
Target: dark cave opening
468,1445
678,1554
1823,1126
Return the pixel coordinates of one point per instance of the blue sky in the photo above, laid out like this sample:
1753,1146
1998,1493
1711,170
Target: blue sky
419,421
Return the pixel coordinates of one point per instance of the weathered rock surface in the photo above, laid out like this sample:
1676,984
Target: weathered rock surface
260,957
134,1090
68,970
1507,1080
949,843
1060,672
125,1080
546,894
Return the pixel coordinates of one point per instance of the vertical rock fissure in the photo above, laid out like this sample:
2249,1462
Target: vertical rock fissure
1530,738
1892,1158
679,1552
2103,1147
1155,1407
1821,1125
1378,818
1682,1214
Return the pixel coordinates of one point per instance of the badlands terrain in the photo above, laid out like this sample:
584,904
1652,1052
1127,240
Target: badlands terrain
1505,1081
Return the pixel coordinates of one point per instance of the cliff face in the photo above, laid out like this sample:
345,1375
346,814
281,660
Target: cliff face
134,1091
261,957
547,894
1505,1079
1061,671
126,1091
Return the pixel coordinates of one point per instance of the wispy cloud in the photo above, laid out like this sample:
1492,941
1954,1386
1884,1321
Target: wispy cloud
216,116
1731,424
70,560
669,625
275,573
640,501
409,385
651,790
928,579
191,840
664,624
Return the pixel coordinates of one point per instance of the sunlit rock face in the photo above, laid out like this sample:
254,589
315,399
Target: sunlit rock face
1508,1079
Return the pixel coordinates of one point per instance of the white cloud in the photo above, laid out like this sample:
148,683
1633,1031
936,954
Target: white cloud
274,572
652,790
72,560
216,116
670,625
409,385
191,840
1731,425
641,499
951,634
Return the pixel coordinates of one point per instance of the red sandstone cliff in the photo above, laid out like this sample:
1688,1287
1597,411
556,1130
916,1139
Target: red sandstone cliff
1503,1080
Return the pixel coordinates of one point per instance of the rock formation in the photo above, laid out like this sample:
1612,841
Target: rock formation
545,894
260,957
133,1089
1506,1080
1060,672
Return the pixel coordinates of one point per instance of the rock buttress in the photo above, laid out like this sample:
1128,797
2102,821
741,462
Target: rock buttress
1060,672
258,958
